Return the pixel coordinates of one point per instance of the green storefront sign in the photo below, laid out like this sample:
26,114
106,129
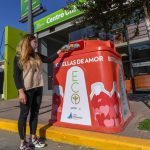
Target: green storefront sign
56,18
24,6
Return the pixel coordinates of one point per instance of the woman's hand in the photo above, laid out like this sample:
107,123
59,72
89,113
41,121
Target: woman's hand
22,96
59,51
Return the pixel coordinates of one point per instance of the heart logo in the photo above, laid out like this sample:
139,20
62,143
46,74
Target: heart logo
104,110
109,123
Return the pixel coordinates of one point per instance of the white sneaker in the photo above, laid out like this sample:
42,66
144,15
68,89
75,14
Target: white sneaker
25,146
36,143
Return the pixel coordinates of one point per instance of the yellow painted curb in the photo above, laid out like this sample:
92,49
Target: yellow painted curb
85,138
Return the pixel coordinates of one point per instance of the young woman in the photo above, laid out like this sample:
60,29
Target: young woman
29,82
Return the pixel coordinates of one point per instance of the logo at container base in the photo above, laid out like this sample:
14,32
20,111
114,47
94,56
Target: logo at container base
74,116
70,116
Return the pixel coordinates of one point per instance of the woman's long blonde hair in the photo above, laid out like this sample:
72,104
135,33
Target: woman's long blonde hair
25,52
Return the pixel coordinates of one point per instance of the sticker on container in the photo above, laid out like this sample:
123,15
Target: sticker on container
75,105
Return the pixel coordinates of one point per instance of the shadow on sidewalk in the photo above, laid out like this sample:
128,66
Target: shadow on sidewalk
145,98
45,111
8,108
45,106
42,131
41,113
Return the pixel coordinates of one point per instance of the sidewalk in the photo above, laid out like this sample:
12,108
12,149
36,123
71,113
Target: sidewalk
130,138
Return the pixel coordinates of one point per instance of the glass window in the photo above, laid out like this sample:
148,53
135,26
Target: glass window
125,58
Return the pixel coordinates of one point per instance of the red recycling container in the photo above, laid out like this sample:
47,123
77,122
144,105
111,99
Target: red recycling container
89,90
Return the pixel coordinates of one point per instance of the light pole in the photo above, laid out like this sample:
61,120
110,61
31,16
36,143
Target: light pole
30,18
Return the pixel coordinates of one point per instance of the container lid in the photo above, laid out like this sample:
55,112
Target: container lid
86,46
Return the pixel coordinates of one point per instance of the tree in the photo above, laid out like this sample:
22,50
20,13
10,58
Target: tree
105,14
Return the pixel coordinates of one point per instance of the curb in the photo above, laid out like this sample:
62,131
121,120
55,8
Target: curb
84,138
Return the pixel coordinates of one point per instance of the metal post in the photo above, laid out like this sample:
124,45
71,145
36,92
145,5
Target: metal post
30,18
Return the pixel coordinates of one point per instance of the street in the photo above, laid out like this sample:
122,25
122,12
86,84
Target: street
9,141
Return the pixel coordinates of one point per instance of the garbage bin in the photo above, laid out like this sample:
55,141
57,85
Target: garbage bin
89,90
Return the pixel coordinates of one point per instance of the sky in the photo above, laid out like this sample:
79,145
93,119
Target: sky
10,12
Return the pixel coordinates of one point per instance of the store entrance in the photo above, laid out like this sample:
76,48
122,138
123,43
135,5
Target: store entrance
49,45
140,62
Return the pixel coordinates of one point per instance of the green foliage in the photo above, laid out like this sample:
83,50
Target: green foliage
107,13
144,125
